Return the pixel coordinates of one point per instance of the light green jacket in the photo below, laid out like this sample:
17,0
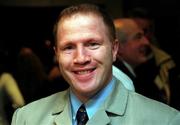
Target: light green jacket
122,107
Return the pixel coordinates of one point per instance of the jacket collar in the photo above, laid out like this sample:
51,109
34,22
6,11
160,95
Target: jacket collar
61,110
61,99
65,117
117,100
115,105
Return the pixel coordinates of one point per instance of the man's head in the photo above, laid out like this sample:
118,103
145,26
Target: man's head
85,48
134,46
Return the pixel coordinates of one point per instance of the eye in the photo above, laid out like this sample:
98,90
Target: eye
138,36
68,49
93,45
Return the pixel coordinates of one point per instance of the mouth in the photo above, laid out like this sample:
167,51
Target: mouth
146,50
84,75
84,71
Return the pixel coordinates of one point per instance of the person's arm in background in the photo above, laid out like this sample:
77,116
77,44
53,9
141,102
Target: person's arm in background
9,83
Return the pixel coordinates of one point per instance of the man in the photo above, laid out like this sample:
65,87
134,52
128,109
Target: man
133,58
86,48
160,59
134,45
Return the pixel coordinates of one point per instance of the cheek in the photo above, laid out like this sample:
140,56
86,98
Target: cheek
97,55
131,48
64,60
103,54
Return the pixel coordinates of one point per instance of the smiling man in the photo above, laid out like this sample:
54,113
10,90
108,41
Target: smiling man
86,47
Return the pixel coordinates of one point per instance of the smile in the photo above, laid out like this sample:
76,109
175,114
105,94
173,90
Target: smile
83,72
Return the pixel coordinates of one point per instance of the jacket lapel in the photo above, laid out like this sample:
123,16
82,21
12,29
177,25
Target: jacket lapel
64,118
62,111
115,105
116,102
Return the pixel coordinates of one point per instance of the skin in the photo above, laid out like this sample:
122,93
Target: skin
85,54
135,50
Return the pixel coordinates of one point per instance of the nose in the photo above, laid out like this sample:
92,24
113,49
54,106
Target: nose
81,56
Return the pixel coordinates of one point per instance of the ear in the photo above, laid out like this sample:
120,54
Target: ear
115,47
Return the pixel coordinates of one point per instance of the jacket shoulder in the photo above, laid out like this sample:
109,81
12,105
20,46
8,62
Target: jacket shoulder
36,111
43,102
150,107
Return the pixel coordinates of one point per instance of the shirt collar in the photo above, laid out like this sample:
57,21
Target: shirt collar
93,104
129,68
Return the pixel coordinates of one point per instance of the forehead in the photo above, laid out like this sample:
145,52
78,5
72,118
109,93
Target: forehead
131,28
82,19
142,23
82,22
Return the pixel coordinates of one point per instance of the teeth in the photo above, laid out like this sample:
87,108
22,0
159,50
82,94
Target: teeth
83,72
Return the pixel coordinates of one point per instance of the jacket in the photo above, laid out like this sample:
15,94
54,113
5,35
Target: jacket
122,107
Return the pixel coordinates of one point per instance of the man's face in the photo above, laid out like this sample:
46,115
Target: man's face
85,54
137,48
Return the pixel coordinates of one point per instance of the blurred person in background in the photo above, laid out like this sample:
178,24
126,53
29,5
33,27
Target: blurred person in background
11,97
168,73
135,51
